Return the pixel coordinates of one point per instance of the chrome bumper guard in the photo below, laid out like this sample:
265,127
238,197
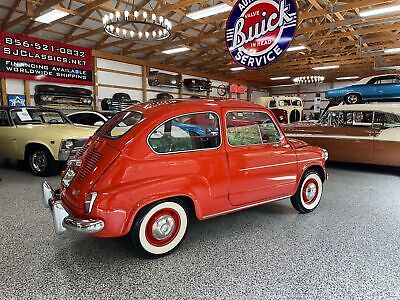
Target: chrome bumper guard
62,220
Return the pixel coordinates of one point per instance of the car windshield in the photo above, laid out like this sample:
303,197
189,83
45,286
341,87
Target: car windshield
387,120
120,124
37,116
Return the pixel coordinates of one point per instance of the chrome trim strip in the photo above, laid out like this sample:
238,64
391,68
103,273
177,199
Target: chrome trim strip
243,207
277,165
345,137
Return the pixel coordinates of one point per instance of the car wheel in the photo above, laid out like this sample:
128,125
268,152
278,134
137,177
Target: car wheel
41,162
159,228
353,99
309,192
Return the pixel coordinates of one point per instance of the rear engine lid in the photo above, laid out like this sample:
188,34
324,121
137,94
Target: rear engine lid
96,156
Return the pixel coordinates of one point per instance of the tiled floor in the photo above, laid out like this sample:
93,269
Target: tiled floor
349,248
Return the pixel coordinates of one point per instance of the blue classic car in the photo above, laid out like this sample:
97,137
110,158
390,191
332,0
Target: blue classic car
375,88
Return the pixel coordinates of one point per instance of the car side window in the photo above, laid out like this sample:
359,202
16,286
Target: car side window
188,132
80,119
362,118
245,128
387,120
94,118
337,118
4,121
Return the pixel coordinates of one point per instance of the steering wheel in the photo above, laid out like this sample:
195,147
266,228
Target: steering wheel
53,121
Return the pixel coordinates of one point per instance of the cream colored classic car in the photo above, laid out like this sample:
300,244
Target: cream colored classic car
42,137
286,109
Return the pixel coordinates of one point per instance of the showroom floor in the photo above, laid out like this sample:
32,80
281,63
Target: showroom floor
348,248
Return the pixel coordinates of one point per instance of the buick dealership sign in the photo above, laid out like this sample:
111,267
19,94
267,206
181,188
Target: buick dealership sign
258,32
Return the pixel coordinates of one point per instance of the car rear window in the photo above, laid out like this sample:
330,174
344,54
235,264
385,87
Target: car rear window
120,124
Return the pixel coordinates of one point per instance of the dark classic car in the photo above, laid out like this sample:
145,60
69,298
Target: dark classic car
157,78
46,94
197,85
375,88
118,102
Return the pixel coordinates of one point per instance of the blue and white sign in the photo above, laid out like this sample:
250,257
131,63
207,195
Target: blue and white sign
258,32
16,100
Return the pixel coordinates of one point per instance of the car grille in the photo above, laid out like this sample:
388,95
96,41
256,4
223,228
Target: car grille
89,164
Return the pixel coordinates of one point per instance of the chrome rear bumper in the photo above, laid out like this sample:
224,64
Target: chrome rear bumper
62,220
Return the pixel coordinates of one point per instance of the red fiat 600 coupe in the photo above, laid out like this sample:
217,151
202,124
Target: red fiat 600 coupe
177,157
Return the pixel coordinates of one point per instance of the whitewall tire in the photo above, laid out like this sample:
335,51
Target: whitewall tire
159,228
308,193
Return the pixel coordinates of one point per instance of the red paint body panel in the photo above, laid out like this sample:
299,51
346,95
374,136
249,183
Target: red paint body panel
128,175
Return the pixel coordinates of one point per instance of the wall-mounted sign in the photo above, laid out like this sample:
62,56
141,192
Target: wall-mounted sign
237,89
31,58
16,100
258,32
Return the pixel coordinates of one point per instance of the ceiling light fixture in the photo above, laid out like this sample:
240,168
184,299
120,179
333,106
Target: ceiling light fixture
296,48
392,51
383,10
135,25
51,16
347,78
308,79
176,50
325,68
209,11
280,78
238,68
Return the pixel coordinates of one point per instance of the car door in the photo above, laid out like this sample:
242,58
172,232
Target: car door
6,136
386,139
388,87
262,164
350,136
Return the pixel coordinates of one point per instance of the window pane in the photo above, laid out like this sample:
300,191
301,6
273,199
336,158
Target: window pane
362,118
185,133
387,120
337,118
120,124
250,128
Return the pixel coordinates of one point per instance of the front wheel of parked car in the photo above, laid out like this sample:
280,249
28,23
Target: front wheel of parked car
309,192
41,161
159,228
352,99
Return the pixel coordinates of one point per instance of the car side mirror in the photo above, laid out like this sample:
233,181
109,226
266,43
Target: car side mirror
99,123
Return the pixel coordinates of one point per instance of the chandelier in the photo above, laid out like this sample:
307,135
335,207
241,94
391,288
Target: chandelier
135,25
308,79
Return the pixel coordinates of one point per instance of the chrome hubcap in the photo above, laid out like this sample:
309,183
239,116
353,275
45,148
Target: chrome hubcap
352,99
311,191
39,161
163,227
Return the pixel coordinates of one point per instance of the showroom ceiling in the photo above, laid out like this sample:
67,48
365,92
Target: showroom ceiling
332,33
